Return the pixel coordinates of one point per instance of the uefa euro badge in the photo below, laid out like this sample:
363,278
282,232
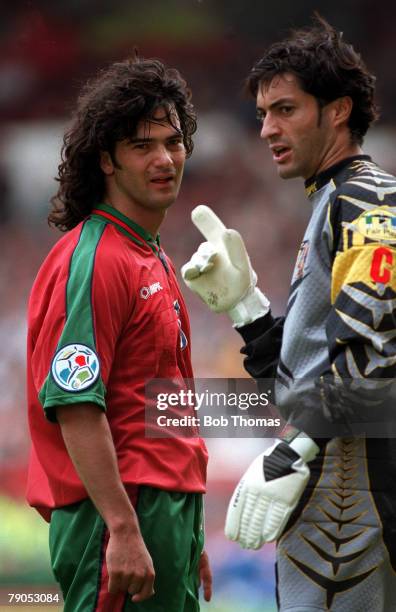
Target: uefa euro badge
75,367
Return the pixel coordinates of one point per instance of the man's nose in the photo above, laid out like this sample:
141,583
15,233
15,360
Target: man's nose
270,127
163,156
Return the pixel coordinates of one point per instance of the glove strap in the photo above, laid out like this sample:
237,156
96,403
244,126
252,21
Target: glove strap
305,447
253,306
300,442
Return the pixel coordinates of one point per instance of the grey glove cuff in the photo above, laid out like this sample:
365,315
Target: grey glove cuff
253,306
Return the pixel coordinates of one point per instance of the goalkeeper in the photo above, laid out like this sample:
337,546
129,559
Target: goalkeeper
326,495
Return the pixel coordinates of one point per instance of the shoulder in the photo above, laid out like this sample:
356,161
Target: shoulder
91,249
57,262
362,186
113,257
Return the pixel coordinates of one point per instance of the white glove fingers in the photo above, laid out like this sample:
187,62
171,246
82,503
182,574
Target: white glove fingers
275,521
201,261
262,520
245,518
208,224
235,512
189,271
236,250
252,526
208,254
192,269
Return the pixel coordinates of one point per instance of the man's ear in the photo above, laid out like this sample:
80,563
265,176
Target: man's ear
106,163
341,111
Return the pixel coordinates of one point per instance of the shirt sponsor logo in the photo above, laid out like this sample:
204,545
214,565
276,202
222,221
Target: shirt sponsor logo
75,367
378,224
146,292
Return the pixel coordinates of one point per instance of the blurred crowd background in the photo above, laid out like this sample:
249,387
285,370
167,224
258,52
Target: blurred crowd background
47,50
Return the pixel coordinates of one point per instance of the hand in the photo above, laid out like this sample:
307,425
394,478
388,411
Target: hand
220,271
130,566
205,576
269,491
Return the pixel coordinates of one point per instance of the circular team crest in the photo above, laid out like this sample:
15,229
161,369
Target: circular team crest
75,367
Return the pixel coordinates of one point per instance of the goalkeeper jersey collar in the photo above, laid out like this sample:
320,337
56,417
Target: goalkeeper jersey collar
316,182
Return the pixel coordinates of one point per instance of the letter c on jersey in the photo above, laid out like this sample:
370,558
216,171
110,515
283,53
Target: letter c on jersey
380,271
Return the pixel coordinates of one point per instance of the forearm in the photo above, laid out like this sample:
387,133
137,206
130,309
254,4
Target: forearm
263,340
89,442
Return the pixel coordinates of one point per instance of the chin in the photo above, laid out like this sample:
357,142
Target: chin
289,172
164,203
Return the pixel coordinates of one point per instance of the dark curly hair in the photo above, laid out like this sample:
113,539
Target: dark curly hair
109,110
327,68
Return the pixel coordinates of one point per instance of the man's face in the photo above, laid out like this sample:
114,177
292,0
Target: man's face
147,169
297,131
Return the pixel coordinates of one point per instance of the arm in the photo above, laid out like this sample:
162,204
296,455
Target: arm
88,440
263,338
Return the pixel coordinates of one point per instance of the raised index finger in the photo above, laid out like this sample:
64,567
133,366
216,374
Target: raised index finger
208,223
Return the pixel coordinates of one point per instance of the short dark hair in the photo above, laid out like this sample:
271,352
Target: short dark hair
327,68
108,110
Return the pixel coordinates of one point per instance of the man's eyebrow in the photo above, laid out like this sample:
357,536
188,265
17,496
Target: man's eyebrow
143,139
284,100
275,104
135,139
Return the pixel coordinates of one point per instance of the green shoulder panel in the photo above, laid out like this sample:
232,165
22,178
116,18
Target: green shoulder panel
75,368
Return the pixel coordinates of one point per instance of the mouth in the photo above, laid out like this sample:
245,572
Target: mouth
163,180
280,153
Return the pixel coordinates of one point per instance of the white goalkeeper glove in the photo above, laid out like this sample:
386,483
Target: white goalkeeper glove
269,491
220,271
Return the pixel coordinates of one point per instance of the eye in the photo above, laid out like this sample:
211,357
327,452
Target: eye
175,142
286,109
260,116
141,146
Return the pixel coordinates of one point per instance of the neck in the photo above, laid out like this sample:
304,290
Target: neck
150,220
337,153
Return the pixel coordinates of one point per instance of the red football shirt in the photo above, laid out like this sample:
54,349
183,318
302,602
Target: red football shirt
105,316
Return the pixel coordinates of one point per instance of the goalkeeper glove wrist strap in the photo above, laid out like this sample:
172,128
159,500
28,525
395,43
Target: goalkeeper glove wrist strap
300,442
253,306
305,447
